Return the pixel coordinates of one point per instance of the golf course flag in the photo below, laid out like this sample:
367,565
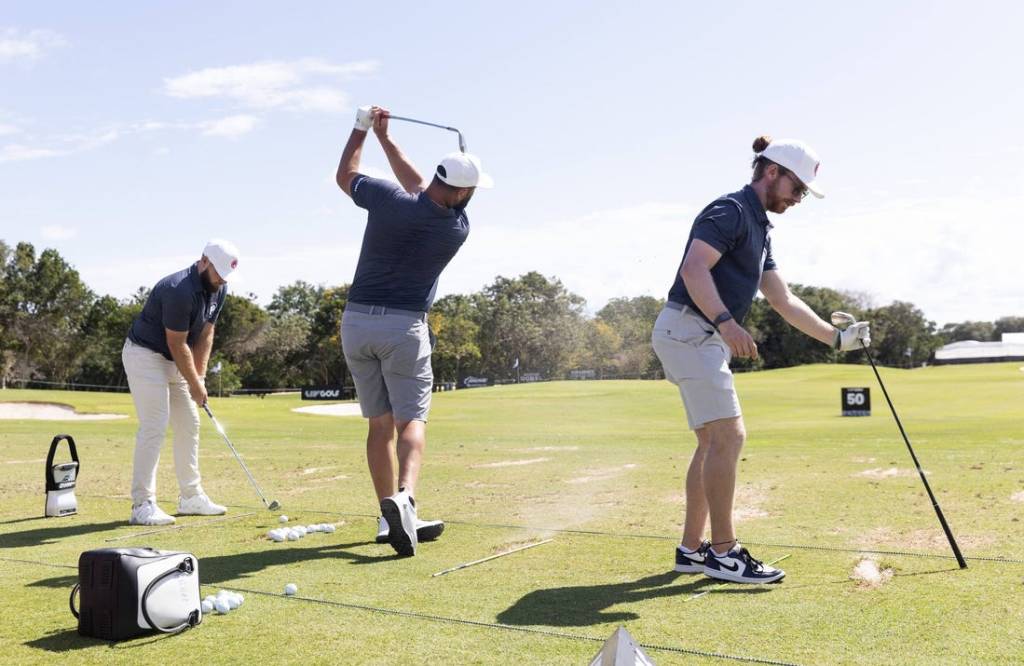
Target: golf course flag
621,650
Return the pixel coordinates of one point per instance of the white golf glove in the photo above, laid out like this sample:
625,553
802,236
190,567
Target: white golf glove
364,119
851,338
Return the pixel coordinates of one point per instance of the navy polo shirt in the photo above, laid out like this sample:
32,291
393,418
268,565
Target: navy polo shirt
737,226
179,303
408,241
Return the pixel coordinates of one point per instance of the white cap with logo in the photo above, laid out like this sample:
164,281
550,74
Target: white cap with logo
799,158
463,170
223,255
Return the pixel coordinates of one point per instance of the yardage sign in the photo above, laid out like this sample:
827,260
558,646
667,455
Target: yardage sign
856,401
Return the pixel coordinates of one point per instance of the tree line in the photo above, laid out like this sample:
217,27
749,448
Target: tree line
54,328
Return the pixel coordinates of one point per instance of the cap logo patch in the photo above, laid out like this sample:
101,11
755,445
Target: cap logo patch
234,262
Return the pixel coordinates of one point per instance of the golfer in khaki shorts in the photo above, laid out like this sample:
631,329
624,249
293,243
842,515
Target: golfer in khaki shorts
412,232
728,257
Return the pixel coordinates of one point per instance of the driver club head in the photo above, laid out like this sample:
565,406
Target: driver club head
843,319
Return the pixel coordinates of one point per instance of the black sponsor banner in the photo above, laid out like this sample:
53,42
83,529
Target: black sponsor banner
856,401
474,382
322,392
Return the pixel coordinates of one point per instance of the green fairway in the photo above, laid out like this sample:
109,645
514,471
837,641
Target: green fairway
596,466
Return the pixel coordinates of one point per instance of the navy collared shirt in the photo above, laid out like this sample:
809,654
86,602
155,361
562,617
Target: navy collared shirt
408,241
737,226
179,303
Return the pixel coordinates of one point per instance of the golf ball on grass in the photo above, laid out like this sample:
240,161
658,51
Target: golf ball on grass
276,535
207,607
290,589
301,529
329,529
283,519
293,535
222,605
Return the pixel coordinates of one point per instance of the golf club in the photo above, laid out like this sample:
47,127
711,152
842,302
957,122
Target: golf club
842,320
462,142
272,505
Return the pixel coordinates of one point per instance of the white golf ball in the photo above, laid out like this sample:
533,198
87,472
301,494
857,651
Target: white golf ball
293,535
211,598
207,607
290,589
329,528
277,536
301,529
312,528
240,598
283,519
222,605
233,601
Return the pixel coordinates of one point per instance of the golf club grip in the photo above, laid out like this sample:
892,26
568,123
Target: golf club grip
935,503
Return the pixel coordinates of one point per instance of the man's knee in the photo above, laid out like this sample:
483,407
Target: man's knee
381,428
726,432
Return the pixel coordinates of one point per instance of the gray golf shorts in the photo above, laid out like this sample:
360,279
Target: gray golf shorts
389,358
696,359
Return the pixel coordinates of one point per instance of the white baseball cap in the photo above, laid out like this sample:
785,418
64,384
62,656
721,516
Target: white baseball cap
799,158
223,255
463,170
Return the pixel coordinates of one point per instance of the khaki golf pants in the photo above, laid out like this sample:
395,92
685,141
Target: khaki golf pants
161,397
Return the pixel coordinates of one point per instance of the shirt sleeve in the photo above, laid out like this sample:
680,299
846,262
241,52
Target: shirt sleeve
769,262
222,296
369,192
720,227
176,310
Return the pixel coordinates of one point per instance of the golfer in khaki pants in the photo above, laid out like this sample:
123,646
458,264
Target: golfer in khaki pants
165,359
728,257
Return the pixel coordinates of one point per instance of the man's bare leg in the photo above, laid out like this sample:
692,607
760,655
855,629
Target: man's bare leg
380,454
726,442
412,441
696,500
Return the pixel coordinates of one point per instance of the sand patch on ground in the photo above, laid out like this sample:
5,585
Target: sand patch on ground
339,409
600,474
551,448
930,540
509,463
869,576
314,470
1017,497
890,473
50,411
861,460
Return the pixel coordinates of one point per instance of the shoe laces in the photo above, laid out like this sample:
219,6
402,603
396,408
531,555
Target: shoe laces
755,563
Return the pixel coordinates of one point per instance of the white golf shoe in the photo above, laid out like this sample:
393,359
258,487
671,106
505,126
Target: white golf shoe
426,530
399,511
148,513
199,505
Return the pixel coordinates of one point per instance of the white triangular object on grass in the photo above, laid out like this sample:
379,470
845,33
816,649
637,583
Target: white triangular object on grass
621,650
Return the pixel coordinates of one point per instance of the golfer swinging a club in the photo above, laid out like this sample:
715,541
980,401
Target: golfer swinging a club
728,257
412,232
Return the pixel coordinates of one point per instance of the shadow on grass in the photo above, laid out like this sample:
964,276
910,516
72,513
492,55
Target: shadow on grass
47,535
222,568
588,604
57,582
67,640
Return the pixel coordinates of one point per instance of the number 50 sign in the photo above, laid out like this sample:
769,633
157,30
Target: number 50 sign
856,401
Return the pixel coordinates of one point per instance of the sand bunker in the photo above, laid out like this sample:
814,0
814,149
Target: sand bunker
339,409
49,411
890,473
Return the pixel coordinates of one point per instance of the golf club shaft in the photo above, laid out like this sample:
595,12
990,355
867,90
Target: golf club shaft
935,503
237,457
462,142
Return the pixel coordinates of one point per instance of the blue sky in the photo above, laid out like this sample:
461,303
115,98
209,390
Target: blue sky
132,132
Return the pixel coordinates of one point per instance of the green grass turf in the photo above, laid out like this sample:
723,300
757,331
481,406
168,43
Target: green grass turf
595,456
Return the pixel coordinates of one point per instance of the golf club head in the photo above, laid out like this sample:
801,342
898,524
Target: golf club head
274,505
843,319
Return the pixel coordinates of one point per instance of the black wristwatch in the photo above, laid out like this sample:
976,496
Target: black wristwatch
721,319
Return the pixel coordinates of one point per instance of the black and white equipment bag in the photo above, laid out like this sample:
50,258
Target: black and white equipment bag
60,481
127,592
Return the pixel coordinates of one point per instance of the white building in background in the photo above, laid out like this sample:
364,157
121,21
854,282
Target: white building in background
1009,348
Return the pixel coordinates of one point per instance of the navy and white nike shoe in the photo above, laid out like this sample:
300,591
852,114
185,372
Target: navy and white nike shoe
739,566
691,561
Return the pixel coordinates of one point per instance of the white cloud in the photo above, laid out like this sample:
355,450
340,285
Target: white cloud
8,129
272,84
231,126
27,46
58,233
19,153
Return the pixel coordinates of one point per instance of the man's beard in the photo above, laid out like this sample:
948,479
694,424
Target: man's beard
208,282
775,203
465,202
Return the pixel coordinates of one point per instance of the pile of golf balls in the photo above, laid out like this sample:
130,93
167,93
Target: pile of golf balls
297,532
223,602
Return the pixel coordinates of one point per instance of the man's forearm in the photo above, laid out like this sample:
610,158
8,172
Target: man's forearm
800,316
201,352
405,172
350,157
185,362
701,287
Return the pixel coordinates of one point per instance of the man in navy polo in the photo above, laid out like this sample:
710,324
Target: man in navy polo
165,358
412,232
728,257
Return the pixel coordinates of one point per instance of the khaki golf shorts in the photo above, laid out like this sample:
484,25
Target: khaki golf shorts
389,358
696,359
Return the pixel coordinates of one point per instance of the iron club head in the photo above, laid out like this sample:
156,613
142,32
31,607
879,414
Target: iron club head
274,505
843,319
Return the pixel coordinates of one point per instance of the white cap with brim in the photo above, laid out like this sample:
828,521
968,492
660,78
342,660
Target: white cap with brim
224,257
463,170
799,158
